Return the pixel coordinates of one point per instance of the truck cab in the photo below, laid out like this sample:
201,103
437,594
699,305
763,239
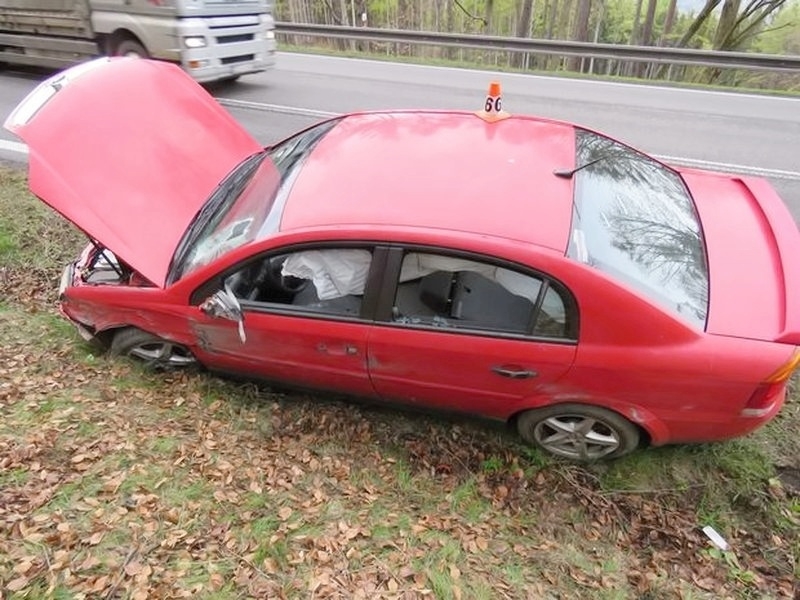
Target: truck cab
212,40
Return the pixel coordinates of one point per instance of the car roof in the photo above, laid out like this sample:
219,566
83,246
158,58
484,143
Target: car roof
439,170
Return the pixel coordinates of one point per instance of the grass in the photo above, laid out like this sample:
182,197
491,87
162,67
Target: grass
115,482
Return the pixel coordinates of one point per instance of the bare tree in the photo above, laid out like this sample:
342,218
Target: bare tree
646,37
525,16
698,22
738,25
669,22
634,40
488,17
580,31
647,27
523,30
551,19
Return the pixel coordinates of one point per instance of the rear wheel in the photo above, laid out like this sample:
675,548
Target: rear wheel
150,350
579,432
129,47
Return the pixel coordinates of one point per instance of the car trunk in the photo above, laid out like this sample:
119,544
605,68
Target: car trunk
753,249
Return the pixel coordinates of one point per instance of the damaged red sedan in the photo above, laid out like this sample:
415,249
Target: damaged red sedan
512,267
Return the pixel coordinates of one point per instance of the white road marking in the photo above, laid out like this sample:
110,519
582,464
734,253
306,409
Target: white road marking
15,147
695,163
276,108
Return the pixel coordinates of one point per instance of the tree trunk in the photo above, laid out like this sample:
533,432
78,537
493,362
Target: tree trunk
450,27
669,22
344,20
637,22
551,19
523,31
751,18
726,25
565,22
580,31
488,14
598,24
564,27
647,28
643,69
525,15
737,26
630,68
695,26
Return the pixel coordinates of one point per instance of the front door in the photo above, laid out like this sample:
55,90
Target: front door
304,321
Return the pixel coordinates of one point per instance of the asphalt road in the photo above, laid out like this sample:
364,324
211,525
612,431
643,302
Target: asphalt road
719,130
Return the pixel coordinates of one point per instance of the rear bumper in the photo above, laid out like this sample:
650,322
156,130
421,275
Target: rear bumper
699,428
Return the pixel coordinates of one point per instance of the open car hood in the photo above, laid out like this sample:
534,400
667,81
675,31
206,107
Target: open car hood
128,150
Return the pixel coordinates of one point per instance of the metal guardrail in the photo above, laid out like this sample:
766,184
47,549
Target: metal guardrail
650,54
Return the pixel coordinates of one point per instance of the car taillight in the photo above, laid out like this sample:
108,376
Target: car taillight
763,398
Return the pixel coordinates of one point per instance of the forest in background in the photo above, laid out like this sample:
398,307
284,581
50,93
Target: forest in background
766,26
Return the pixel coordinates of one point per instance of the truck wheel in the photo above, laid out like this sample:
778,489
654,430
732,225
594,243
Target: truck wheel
131,48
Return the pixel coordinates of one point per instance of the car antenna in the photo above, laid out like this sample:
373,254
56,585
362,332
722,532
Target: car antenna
568,173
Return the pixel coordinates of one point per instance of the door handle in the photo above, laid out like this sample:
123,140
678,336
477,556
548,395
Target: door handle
514,372
336,350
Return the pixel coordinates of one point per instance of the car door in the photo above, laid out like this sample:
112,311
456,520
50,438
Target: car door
468,334
306,319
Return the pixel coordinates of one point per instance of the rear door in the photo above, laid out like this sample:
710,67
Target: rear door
469,334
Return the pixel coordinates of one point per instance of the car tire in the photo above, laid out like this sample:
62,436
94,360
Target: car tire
150,350
579,432
130,47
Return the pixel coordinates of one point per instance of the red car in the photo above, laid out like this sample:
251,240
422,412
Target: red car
512,267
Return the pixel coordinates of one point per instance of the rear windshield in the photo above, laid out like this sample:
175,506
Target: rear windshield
635,220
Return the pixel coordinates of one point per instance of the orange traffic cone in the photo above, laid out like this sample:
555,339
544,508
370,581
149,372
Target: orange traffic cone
493,107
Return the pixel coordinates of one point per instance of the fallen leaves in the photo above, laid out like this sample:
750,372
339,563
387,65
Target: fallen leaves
121,484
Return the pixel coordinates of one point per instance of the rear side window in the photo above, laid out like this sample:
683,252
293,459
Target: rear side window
451,292
635,220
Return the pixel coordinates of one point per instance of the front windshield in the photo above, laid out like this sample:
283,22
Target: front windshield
635,220
247,205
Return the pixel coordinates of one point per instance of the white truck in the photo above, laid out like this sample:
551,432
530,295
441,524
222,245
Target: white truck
212,40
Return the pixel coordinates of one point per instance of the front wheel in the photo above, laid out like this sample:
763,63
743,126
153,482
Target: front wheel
152,351
579,432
